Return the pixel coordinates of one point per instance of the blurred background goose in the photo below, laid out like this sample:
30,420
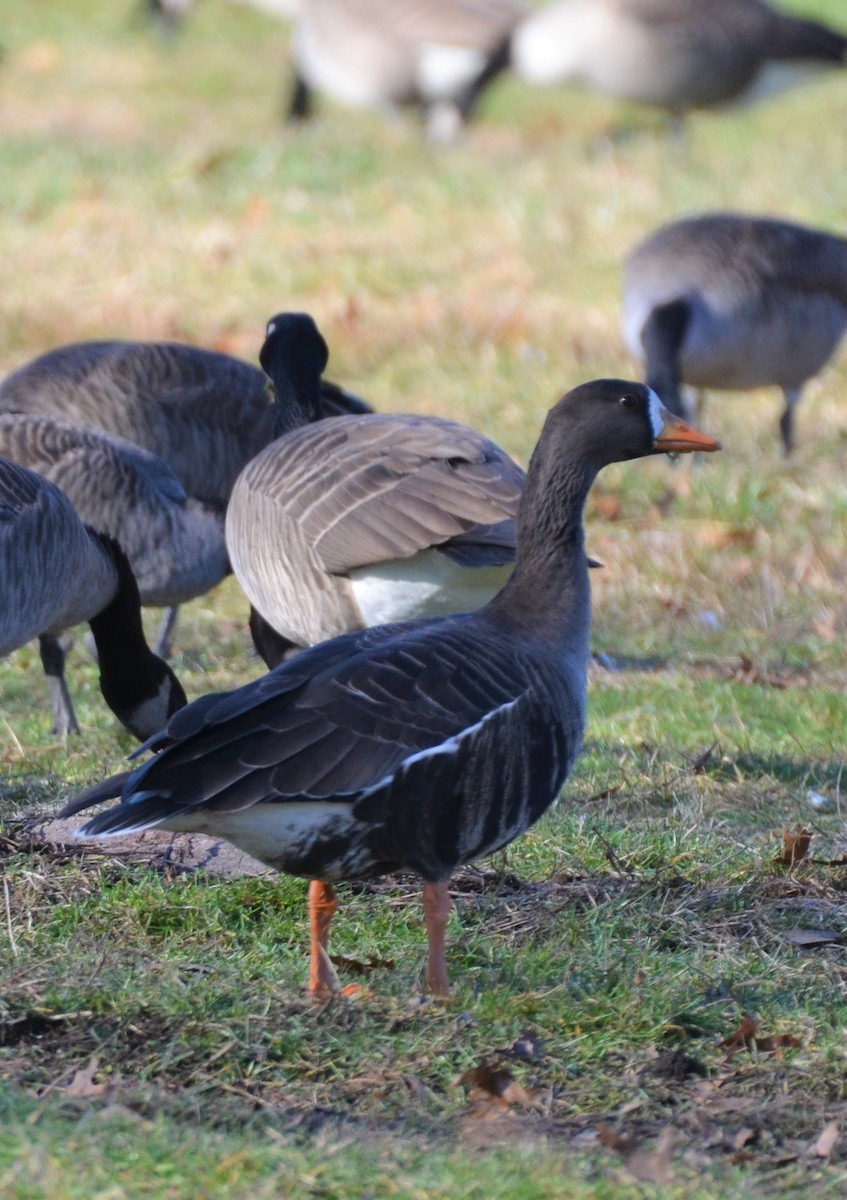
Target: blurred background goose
438,54
677,55
203,413
56,572
417,746
726,300
363,520
174,543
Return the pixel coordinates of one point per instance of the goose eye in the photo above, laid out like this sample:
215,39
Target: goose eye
628,401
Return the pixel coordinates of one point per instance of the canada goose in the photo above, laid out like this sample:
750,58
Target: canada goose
364,520
175,544
417,746
677,55
203,413
727,300
56,572
438,54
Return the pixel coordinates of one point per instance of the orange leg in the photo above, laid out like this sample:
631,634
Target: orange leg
322,906
437,906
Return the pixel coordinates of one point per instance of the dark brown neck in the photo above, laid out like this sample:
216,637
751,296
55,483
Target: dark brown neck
549,593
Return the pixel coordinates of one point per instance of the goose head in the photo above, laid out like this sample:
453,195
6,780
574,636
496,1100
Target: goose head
614,420
294,356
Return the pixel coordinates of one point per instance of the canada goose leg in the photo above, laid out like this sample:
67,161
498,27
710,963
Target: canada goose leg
164,637
300,101
786,421
322,906
497,62
53,662
437,906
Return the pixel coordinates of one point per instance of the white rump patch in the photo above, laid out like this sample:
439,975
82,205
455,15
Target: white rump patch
271,832
428,584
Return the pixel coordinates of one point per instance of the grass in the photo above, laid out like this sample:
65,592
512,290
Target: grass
155,1038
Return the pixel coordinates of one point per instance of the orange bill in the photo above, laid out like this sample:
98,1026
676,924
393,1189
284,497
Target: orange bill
681,438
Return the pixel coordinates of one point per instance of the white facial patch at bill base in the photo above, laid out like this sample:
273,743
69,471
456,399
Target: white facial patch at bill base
655,408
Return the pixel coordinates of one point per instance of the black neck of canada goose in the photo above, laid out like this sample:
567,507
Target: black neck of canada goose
294,356
141,690
595,424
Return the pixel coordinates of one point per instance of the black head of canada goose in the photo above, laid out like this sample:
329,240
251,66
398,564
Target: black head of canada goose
420,745
677,55
437,54
364,520
203,413
56,572
727,300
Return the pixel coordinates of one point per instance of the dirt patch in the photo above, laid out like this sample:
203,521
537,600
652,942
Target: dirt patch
171,852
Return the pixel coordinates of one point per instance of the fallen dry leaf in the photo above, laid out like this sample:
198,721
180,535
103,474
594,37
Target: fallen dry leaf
83,1087
742,1137
748,672
795,846
527,1047
747,1037
825,1144
647,1166
493,1090
358,967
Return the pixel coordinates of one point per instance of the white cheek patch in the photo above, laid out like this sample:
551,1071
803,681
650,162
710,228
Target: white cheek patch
655,408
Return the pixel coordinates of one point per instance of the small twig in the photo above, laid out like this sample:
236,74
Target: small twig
9,928
614,861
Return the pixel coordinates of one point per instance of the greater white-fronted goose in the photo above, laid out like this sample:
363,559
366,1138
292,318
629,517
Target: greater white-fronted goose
421,745
205,414
727,300
363,520
55,572
438,54
677,55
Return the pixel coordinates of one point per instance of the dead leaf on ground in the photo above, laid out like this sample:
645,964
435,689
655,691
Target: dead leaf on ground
743,1136
825,1144
795,846
527,1047
748,672
493,1091
361,967
647,1166
810,937
747,1037
84,1087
